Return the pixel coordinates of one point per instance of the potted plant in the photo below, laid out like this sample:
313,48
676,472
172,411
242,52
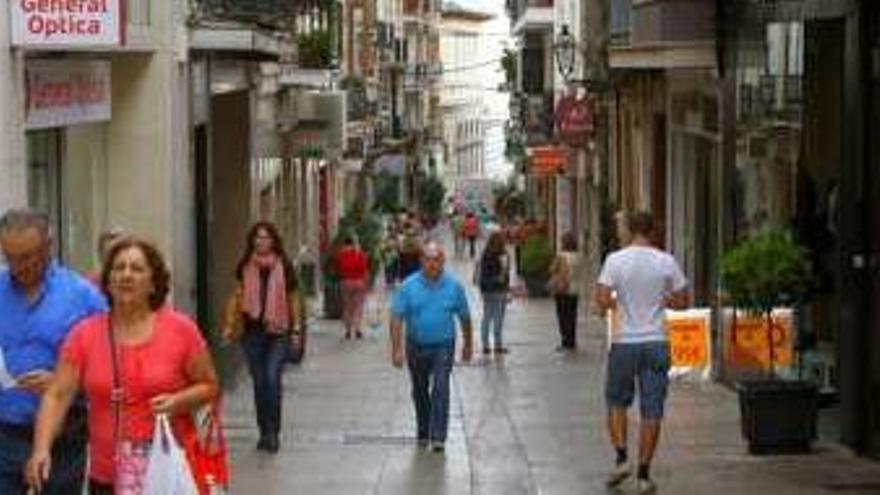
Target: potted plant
537,256
762,273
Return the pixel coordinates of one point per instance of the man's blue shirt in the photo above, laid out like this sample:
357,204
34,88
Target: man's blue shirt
429,307
31,333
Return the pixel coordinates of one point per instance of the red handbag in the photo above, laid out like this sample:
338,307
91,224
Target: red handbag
206,451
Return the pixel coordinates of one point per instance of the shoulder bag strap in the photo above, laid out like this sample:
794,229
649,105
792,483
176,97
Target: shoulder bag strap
116,391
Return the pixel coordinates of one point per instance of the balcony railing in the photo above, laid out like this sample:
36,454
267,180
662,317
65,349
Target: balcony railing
266,12
516,8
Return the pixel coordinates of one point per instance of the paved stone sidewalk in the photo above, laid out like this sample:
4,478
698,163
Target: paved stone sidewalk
530,423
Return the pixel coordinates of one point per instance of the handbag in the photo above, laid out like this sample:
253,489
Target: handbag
206,452
559,281
168,472
130,459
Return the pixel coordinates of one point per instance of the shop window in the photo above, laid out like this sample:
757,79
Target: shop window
138,13
67,179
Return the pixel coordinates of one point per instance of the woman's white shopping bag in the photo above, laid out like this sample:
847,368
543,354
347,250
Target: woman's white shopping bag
168,472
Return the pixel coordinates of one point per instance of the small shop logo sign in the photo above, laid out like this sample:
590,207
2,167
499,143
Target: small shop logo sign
66,23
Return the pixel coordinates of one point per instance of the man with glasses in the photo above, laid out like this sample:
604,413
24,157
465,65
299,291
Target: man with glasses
40,302
428,303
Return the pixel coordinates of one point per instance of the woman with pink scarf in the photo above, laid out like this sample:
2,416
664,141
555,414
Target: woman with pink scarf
264,314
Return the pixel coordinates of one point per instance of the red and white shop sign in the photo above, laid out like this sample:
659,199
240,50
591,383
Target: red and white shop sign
68,23
67,92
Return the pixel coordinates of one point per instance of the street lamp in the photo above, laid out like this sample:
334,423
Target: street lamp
564,49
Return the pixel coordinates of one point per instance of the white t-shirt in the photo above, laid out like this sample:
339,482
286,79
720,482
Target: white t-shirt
642,277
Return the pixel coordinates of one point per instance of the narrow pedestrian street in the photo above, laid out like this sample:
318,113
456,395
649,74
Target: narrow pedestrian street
531,422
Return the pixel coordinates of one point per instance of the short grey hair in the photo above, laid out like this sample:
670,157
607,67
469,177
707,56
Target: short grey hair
16,219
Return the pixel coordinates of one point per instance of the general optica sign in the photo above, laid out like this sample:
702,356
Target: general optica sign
67,23
67,92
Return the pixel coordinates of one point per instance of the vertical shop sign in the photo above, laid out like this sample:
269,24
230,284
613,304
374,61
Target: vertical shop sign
67,23
66,92
564,222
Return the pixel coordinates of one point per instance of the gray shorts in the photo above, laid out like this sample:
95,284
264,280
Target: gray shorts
645,363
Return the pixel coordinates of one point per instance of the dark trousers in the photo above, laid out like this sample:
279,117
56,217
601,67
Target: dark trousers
566,314
429,368
68,463
265,354
472,246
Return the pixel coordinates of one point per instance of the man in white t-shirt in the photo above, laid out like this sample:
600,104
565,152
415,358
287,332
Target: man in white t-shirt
639,281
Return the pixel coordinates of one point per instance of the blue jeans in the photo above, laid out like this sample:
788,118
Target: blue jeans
68,465
646,363
429,368
494,305
265,358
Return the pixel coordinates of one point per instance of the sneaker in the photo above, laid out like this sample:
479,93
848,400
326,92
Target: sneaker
644,486
620,472
423,443
501,350
487,350
438,447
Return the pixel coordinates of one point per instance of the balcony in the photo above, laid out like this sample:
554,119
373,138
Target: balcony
246,28
662,34
530,15
267,13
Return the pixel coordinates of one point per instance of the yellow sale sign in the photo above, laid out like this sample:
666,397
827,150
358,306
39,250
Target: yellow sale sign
688,341
749,341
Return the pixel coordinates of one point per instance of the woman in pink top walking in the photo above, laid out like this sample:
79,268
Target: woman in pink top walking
162,366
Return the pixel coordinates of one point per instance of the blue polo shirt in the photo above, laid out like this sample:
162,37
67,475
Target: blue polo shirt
31,334
429,307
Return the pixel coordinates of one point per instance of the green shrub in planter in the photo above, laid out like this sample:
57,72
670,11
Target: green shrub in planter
536,257
765,272
761,273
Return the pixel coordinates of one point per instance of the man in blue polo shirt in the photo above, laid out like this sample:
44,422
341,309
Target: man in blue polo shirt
428,303
40,302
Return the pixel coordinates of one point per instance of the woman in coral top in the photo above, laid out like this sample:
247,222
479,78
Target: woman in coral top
162,366
353,268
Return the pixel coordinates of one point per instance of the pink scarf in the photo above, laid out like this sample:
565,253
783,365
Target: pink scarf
276,313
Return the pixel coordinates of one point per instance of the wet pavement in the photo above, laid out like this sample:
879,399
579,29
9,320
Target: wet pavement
531,422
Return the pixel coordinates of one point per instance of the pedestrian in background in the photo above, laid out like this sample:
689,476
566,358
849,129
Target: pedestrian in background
640,282
492,277
105,241
263,313
353,268
140,360
390,255
471,231
409,261
565,281
456,225
40,301
427,304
